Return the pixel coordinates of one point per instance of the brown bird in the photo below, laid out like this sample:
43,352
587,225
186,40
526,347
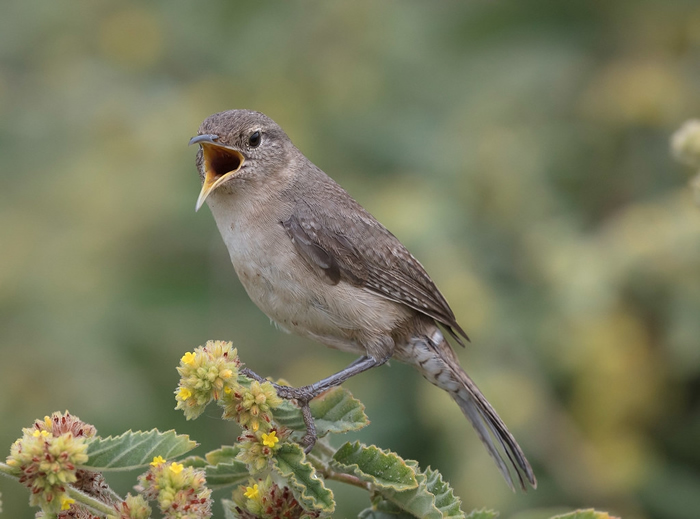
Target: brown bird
320,266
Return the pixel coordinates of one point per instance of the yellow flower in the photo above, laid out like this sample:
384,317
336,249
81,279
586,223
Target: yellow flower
158,460
66,502
252,492
180,492
188,358
184,393
205,373
270,440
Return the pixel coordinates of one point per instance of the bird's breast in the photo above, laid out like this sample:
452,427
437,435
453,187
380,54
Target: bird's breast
280,282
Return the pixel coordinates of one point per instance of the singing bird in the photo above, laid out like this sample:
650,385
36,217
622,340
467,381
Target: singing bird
321,266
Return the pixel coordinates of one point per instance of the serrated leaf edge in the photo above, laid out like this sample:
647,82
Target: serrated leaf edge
422,478
448,493
296,484
288,410
136,434
211,476
365,476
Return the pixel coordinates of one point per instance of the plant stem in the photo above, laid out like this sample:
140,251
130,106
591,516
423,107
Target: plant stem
324,448
329,473
6,470
95,505
346,478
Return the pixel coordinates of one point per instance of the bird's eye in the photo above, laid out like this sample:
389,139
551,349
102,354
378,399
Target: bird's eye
254,139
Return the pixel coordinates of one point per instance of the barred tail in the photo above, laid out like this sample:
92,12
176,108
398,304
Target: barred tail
437,362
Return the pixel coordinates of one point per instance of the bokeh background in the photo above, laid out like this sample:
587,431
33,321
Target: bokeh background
519,148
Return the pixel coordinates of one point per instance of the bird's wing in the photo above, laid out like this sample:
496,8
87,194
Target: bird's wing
343,242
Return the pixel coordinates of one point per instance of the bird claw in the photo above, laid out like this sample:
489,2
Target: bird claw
308,442
303,395
300,394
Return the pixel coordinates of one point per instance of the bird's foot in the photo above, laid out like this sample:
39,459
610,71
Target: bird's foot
309,439
303,395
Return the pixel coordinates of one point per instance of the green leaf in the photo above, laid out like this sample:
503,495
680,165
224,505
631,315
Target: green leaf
308,488
484,513
229,509
384,510
226,454
585,514
226,474
445,500
196,462
222,469
432,499
335,411
382,469
133,450
369,513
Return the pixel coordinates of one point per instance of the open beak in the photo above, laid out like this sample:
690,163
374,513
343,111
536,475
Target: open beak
220,164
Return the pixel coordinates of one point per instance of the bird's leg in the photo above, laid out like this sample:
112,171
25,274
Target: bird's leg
303,395
306,393
309,439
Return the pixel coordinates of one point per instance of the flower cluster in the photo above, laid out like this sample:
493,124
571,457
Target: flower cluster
205,375
61,423
74,512
251,406
45,459
180,491
133,507
264,499
211,373
257,448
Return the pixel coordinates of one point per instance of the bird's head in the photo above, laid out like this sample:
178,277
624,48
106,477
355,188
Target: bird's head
238,146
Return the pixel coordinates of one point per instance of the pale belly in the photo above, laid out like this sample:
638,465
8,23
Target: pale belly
280,283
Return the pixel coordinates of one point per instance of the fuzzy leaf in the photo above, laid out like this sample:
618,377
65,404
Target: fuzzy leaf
585,514
445,500
382,469
229,509
308,488
432,499
369,513
226,474
194,461
484,513
384,510
134,450
221,467
335,411
226,454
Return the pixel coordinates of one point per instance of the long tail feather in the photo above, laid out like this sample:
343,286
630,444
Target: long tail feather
437,362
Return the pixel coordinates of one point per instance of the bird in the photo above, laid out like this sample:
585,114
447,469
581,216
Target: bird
322,267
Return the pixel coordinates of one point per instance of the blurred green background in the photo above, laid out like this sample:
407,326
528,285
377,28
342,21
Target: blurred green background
518,148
